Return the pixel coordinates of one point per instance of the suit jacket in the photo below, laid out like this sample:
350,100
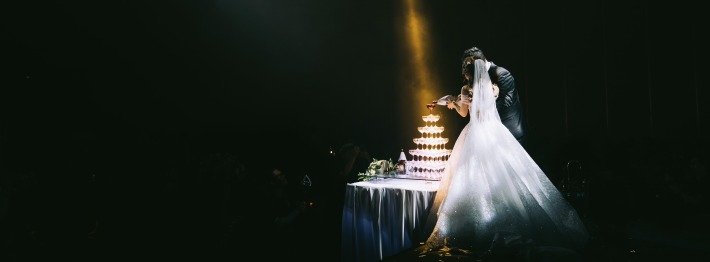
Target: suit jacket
508,101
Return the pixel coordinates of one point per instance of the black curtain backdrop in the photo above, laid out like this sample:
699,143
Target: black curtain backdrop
125,88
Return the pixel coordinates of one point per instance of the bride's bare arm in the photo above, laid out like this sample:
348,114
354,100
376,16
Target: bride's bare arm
462,102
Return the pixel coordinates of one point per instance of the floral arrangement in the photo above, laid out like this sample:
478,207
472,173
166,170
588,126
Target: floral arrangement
377,167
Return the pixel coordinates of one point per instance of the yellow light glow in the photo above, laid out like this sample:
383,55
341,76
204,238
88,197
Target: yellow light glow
424,85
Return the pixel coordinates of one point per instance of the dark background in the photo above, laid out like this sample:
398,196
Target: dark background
126,88
277,72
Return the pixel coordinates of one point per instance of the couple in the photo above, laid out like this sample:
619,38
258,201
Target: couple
492,193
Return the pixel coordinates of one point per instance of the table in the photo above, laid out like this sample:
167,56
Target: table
383,217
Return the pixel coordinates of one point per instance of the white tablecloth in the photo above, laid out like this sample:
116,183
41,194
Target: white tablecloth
384,217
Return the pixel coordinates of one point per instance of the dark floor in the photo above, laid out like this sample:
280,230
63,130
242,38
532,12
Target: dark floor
639,240
315,237
632,216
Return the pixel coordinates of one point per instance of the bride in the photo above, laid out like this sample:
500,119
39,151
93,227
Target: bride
492,189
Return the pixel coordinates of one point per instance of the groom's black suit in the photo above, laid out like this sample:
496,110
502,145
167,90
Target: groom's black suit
508,102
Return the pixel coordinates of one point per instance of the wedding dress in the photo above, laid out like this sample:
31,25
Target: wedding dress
492,187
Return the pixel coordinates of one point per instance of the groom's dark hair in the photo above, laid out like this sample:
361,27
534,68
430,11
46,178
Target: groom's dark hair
473,52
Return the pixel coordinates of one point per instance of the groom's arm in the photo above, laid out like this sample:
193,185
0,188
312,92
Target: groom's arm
506,85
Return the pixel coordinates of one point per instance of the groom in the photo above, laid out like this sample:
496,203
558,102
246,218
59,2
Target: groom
508,102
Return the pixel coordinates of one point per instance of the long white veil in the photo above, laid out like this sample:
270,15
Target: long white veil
482,107
483,103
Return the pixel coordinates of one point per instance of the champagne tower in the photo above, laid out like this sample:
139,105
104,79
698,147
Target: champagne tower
430,157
